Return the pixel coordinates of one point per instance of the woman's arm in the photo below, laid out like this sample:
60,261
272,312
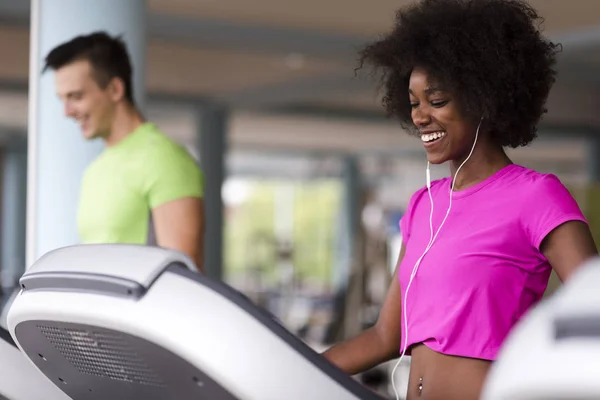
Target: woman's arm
377,344
567,247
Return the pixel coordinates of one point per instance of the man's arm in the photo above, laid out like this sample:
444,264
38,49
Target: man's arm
174,188
179,225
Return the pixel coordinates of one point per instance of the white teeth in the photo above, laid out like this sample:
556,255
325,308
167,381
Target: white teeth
432,136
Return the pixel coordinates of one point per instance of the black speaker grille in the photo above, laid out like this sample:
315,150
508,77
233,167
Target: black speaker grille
102,354
90,362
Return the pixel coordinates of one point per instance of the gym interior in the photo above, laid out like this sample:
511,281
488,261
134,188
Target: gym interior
306,177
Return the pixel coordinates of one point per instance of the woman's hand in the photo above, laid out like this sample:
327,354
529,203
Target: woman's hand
377,344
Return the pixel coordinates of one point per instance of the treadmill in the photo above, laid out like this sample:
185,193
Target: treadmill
19,379
554,351
126,321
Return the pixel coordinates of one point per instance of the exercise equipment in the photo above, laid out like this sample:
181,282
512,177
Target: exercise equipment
19,379
554,352
128,321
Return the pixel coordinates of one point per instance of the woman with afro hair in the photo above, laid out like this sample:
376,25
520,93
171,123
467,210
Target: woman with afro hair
468,78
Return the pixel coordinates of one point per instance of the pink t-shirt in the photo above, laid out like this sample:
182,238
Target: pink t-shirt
485,269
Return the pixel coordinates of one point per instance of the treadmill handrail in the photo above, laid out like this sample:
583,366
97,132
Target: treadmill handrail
85,282
127,262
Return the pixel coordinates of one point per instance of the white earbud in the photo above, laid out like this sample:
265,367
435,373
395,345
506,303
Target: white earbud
432,238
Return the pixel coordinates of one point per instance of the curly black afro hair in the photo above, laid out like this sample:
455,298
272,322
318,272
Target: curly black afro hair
490,54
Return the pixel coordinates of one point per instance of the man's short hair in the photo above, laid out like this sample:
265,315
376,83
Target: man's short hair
107,55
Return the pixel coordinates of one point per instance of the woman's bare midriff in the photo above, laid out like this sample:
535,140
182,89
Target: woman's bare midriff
435,376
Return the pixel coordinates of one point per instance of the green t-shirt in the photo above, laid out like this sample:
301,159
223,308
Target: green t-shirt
121,187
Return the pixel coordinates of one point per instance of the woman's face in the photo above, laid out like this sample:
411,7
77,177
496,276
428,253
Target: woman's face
446,134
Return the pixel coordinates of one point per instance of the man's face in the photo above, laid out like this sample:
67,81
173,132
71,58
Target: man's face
87,103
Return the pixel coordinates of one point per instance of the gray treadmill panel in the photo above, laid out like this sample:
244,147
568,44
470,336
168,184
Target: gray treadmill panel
577,326
93,363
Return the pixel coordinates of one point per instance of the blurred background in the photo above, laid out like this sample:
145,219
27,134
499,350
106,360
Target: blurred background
306,178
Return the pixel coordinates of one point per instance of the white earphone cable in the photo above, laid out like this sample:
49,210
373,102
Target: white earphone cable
432,238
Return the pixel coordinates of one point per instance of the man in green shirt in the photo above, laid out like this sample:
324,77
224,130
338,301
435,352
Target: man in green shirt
144,188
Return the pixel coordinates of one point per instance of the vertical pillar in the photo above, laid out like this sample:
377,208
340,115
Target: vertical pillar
593,198
212,126
594,158
57,153
14,193
348,222
347,253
